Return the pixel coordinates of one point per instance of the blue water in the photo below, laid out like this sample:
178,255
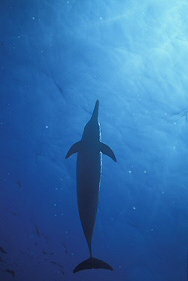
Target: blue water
56,59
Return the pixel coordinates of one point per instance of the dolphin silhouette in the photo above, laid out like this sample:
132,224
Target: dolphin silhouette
89,166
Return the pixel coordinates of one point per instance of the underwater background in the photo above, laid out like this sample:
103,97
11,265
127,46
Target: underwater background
56,59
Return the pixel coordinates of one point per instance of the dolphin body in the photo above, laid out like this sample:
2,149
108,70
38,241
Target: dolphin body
89,167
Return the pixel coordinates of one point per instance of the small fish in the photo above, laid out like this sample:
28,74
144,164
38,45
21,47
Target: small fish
19,184
54,262
45,253
11,272
64,248
2,250
4,262
62,272
37,230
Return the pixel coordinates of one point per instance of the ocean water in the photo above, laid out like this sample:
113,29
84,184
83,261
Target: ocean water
56,59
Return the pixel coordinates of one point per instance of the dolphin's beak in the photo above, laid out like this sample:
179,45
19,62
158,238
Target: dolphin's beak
96,111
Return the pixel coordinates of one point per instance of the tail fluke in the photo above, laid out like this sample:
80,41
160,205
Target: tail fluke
92,263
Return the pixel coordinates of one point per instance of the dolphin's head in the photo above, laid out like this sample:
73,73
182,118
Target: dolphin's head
95,111
92,128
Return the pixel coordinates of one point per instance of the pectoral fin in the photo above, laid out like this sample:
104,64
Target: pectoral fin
74,149
105,149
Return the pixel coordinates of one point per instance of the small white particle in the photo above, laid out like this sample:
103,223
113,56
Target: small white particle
55,205
144,172
33,18
134,208
46,127
130,172
151,229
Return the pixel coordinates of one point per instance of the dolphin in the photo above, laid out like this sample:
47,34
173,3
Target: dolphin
89,168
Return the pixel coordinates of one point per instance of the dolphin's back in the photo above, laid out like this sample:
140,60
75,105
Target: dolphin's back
88,188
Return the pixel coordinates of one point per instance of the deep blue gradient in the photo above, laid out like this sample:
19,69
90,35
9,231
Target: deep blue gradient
56,59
